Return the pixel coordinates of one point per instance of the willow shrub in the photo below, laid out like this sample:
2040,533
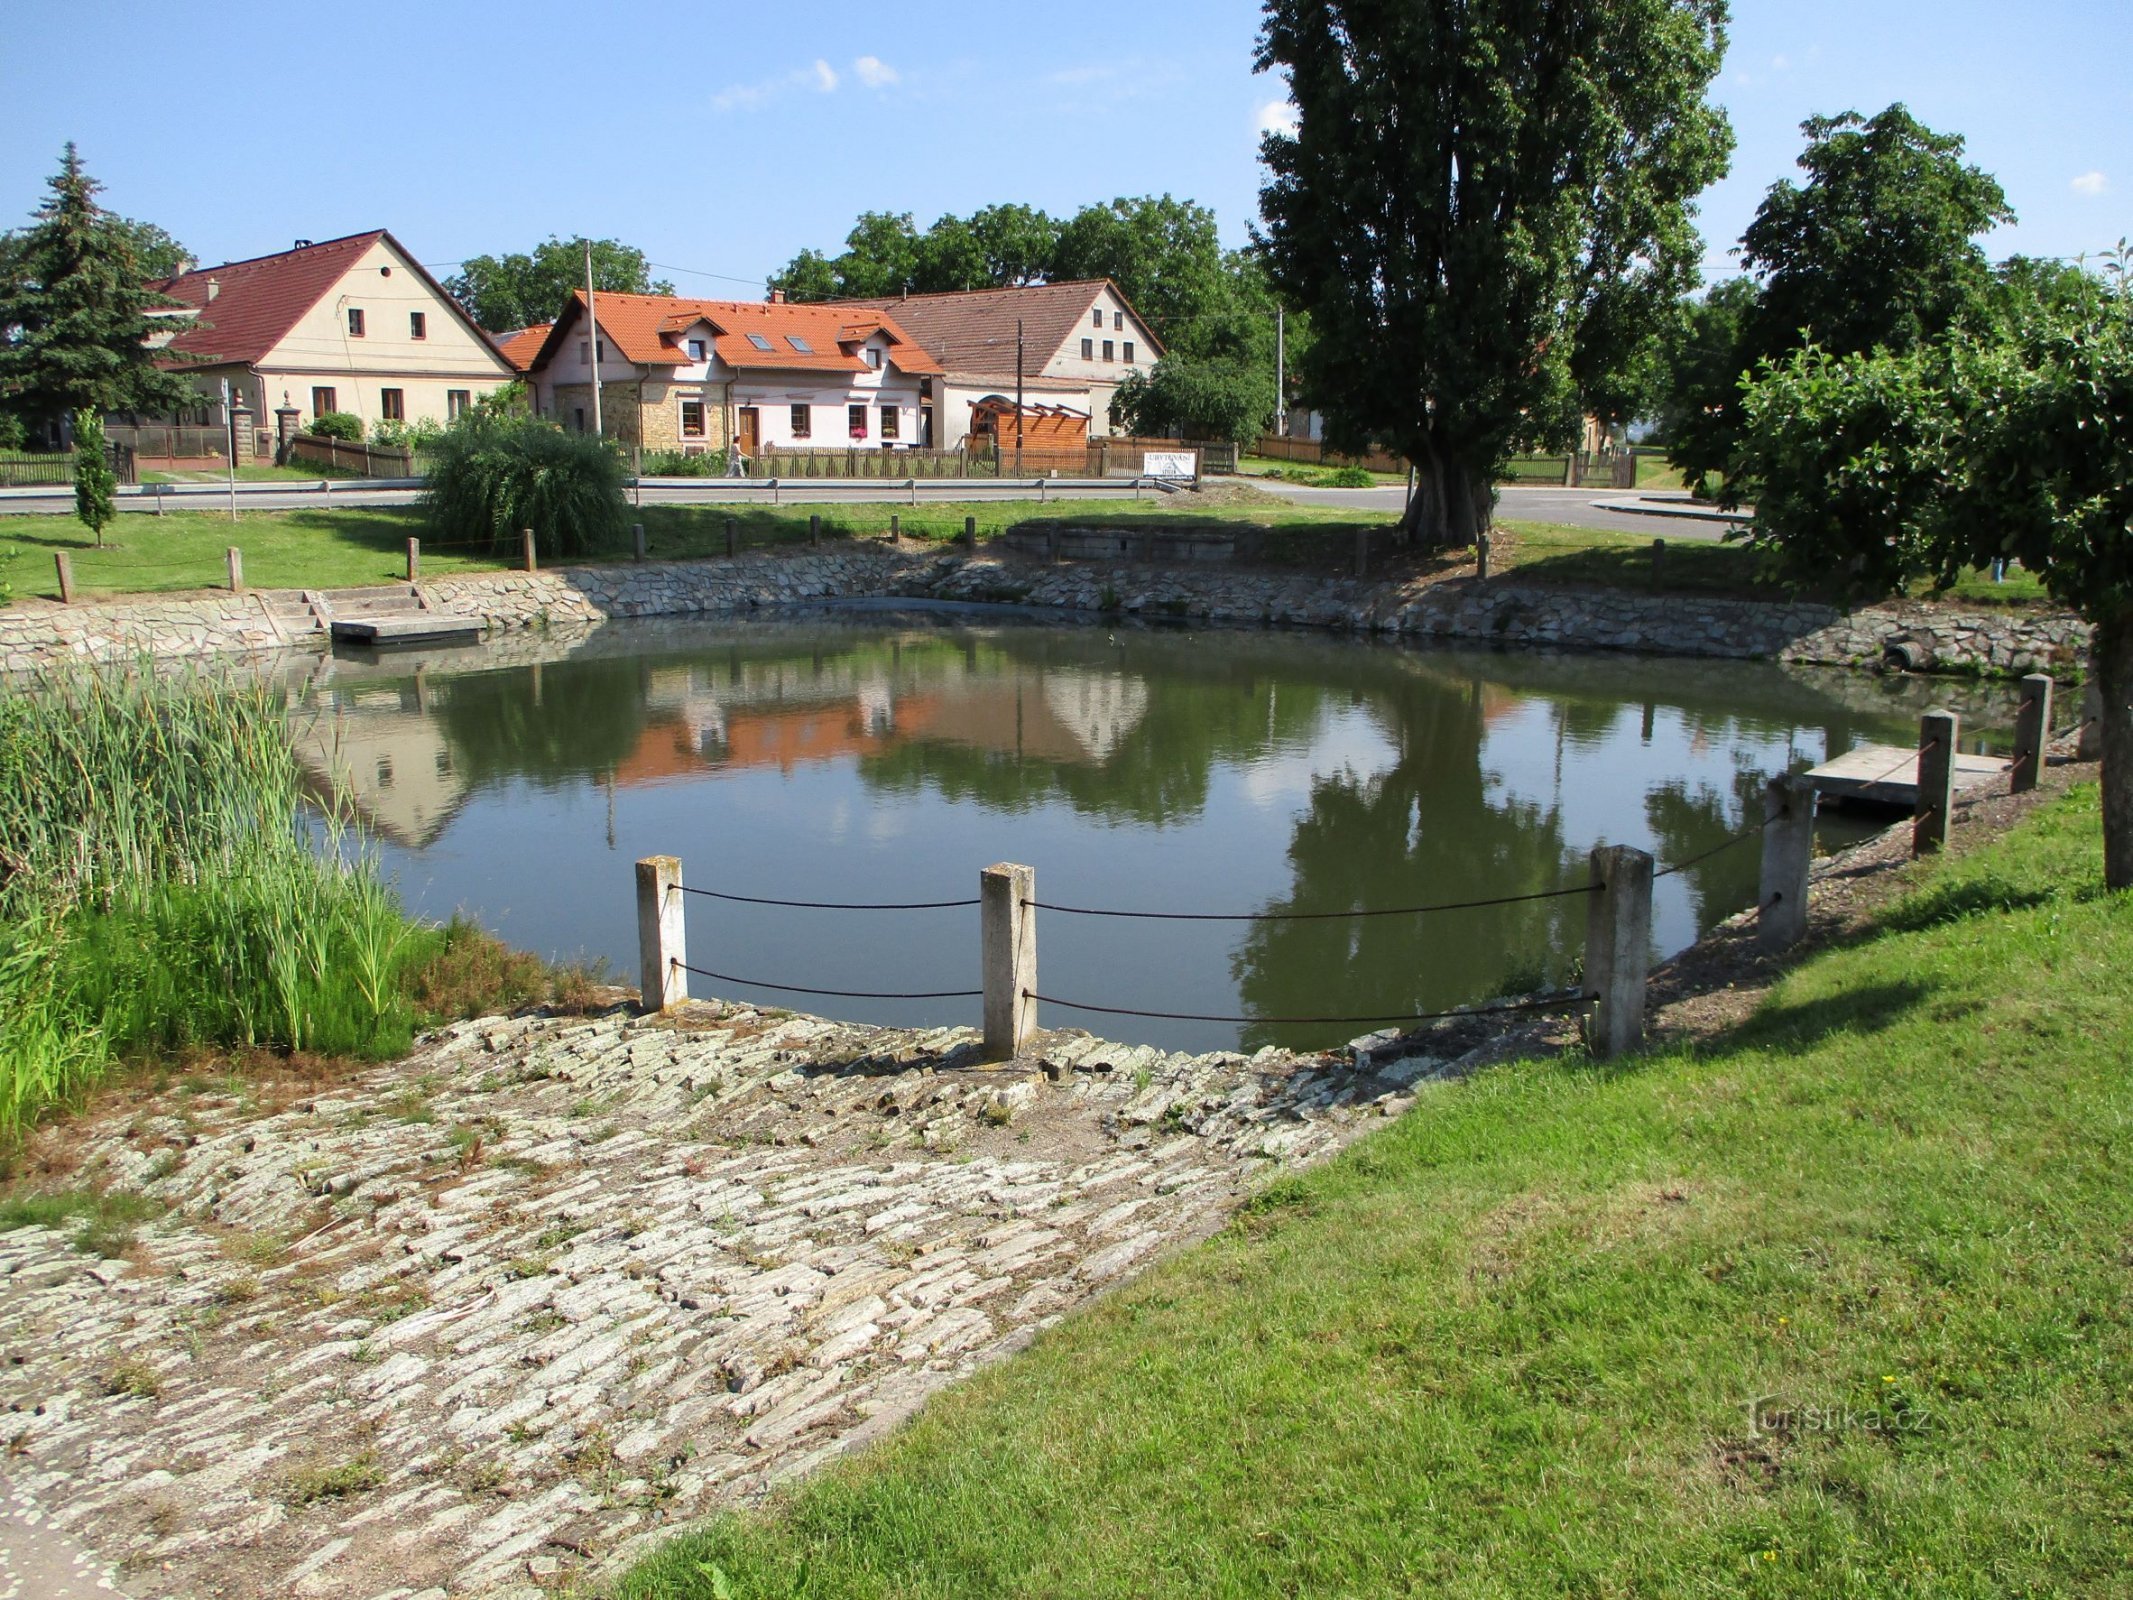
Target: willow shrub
159,887
491,476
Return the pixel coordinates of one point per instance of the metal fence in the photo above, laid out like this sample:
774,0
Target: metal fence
25,467
1571,471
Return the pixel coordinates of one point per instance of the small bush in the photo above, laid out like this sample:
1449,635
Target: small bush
420,434
338,425
675,464
1347,478
490,476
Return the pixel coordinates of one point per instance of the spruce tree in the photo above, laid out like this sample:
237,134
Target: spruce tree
95,484
74,312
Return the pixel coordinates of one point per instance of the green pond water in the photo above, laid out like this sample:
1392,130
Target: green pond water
889,756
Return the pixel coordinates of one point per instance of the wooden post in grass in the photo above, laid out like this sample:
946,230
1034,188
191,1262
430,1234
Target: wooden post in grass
1481,556
733,537
1658,561
1618,948
662,933
970,532
2033,728
814,530
66,577
1788,852
636,541
1936,781
414,560
233,565
1007,935
531,562
896,527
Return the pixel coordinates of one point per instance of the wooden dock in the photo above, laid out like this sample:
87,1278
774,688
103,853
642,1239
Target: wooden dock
1887,775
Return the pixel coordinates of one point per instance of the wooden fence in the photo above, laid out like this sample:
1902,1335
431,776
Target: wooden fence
342,455
1098,458
25,467
1617,471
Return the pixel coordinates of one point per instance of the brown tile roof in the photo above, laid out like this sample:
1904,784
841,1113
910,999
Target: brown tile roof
651,329
521,347
258,301
974,330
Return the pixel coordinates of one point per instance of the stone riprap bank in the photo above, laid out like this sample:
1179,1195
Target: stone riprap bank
482,1322
1500,611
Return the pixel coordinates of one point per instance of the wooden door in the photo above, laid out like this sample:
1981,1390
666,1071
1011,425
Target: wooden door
751,430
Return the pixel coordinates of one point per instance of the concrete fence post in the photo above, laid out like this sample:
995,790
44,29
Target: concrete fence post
2033,730
233,563
414,560
733,538
1788,852
532,562
662,933
1007,935
66,577
1936,781
1618,947
636,541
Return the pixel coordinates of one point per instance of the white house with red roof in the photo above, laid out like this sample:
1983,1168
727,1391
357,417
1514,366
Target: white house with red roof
688,375
354,325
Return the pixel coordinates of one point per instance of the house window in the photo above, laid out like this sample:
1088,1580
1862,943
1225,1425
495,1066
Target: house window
692,419
323,401
418,325
799,344
1118,321
759,341
392,405
1098,314
456,402
855,420
873,358
1088,349
803,422
355,322
1128,352
891,423
577,419
696,349
1108,356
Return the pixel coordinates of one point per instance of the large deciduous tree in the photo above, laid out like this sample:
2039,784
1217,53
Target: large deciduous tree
1468,182
1877,249
2014,442
508,292
75,323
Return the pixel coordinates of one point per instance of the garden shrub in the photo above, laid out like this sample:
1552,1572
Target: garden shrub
491,476
338,425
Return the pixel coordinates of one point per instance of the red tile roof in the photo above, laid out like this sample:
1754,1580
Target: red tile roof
973,330
651,329
521,347
258,301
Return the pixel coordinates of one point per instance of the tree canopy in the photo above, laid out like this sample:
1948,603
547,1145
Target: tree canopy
1476,199
1877,249
509,292
75,323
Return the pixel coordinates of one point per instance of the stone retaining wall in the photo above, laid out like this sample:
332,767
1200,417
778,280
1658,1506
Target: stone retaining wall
1503,611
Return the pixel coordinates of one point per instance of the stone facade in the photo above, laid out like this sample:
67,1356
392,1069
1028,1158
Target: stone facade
1502,611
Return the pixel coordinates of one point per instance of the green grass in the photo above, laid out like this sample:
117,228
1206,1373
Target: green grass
1508,1345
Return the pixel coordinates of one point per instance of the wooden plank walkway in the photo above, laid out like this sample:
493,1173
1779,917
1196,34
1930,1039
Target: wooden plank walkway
407,629
1887,775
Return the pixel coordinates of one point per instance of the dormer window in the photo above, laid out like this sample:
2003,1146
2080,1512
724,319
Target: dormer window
873,357
696,349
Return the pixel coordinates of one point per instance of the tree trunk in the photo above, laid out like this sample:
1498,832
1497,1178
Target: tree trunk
1451,505
2111,658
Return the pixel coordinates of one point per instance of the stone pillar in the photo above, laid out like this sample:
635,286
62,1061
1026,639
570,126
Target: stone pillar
233,562
286,420
662,933
531,561
1618,948
1788,852
2033,731
1936,781
1008,938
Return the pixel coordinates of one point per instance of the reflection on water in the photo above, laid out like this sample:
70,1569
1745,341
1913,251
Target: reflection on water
875,758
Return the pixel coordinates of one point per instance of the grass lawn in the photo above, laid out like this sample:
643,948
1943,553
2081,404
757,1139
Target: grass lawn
249,472
1839,1305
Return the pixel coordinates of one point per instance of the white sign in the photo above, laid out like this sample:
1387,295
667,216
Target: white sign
1170,463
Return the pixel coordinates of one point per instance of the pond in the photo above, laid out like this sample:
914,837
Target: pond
889,756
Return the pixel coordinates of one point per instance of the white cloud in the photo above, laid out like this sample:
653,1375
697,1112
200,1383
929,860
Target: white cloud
1278,117
1780,63
874,72
2090,183
747,96
825,76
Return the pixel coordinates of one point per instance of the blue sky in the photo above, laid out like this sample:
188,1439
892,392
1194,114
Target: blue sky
724,137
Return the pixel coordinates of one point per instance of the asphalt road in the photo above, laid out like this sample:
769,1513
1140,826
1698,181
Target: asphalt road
1623,511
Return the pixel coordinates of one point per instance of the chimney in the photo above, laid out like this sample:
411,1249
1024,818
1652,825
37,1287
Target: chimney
777,297
213,288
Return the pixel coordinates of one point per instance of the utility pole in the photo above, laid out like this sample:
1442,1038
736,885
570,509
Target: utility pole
1281,372
1018,397
592,315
